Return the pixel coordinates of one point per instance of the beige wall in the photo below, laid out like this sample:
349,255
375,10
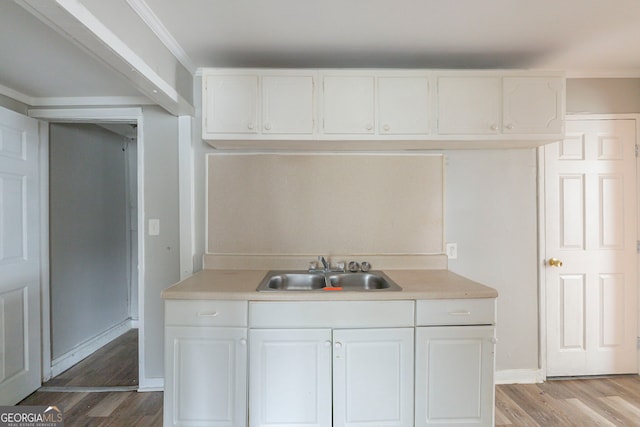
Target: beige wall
603,96
325,204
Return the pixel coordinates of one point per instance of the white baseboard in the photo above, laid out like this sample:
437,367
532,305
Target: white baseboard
67,360
519,376
135,324
151,384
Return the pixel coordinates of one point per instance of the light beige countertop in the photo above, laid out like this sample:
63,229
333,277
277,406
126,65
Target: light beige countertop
242,284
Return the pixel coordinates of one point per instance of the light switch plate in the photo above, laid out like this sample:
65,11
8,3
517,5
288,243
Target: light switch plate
154,227
452,250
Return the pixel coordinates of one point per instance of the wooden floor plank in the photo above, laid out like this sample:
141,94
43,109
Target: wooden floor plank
107,405
572,402
115,364
512,411
592,414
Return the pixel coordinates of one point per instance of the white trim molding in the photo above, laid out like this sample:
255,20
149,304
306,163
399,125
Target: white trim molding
80,115
519,376
145,13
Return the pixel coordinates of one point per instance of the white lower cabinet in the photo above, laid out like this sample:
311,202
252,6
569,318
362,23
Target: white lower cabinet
373,377
206,376
290,377
301,376
329,363
454,375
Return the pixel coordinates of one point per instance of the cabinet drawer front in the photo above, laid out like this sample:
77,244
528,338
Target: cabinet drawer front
205,313
456,312
331,314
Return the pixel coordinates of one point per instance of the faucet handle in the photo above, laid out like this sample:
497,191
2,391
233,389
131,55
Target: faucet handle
353,266
365,266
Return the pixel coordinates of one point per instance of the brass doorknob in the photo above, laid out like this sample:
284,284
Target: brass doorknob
554,262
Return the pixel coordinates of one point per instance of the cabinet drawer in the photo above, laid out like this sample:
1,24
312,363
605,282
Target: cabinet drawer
205,313
331,314
456,312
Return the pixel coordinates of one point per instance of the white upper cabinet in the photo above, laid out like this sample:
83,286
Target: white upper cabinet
287,105
381,109
231,104
258,104
533,105
403,105
348,106
472,105
377,104
469,105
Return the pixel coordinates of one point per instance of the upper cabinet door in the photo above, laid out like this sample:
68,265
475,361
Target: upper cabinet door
469,105
287,105
533,105
348,104
231,104
403,105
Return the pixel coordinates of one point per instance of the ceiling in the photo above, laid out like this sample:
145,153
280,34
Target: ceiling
37,62
584,37
565,34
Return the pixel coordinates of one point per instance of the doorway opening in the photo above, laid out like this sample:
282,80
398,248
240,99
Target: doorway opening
93,254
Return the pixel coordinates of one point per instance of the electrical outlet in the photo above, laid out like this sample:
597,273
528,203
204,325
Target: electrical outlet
452,250
154,227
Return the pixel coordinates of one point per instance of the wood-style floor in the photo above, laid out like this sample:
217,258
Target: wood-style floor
612,401
115,364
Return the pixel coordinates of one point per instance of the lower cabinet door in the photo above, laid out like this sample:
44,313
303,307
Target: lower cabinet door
290,377
373,377
205,377
454,376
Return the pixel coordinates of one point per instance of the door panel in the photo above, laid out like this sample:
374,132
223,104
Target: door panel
20,353
373,377
290,377
590,218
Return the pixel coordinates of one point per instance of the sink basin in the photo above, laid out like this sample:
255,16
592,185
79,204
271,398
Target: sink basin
292,282
320,281
362,281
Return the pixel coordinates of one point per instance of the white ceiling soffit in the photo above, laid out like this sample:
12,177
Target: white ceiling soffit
108,38
40,67
567,34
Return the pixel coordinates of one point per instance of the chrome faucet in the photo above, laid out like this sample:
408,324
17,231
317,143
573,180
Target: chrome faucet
325,264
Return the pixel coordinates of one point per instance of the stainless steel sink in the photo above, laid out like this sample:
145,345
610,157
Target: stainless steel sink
321,281
283,281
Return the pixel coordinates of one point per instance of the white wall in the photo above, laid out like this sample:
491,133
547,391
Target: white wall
162,252
88,228
491,213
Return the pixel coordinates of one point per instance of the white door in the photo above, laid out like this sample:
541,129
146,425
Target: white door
290,377
20,353
231,104
532,104
590,199
207,384
454,376
469,105
287,105
373,377
348,104
403,105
